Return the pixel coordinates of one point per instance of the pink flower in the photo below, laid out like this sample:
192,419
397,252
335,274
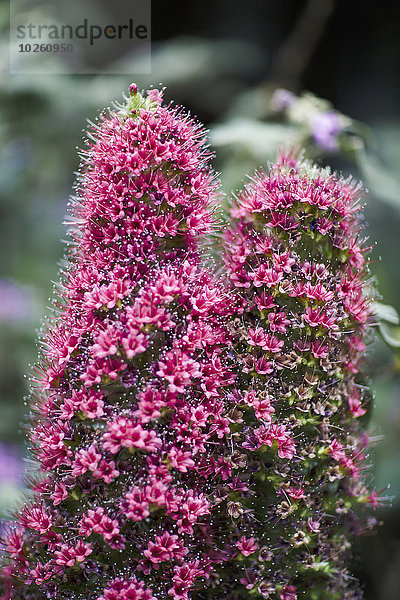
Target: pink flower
183,579
288,592
283,262
319,349
204,302
265,276
355,405
92,405
36,517
318,292
135,505
180,460
375,499
293,492
107,295
105,343
42,572
106,471
313,316
127,433
264,301
286,449
278,321
336,450
140,337
178,369
186,508
168,286
68,555
134,343
258,337
165,547
52,451
263,366
98,521
127,589
85,460
14,542
59,494
262,406
155,95
296,231
247,546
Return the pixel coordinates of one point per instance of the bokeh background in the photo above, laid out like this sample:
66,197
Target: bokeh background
228,62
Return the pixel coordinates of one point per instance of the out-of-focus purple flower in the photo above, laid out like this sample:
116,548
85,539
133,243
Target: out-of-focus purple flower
10,464
325,127
282,99
11,469
15,304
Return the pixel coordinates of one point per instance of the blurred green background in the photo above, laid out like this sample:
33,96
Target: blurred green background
228,63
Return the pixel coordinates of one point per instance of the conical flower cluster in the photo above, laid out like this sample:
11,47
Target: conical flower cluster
295,258
197,436
128,411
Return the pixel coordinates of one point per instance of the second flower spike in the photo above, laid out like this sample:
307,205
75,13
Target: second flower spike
297,267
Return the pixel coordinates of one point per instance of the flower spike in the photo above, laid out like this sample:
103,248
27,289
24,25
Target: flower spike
128,411
298,267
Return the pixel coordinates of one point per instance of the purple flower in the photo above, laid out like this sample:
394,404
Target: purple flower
282,99
15,304
325,128
10,464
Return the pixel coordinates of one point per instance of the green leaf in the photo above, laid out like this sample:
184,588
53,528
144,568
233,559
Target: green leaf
386,312
391,335
389,322
382,183
259,139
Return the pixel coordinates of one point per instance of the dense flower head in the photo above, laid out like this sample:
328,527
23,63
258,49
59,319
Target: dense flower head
128,414
295,258
197,437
